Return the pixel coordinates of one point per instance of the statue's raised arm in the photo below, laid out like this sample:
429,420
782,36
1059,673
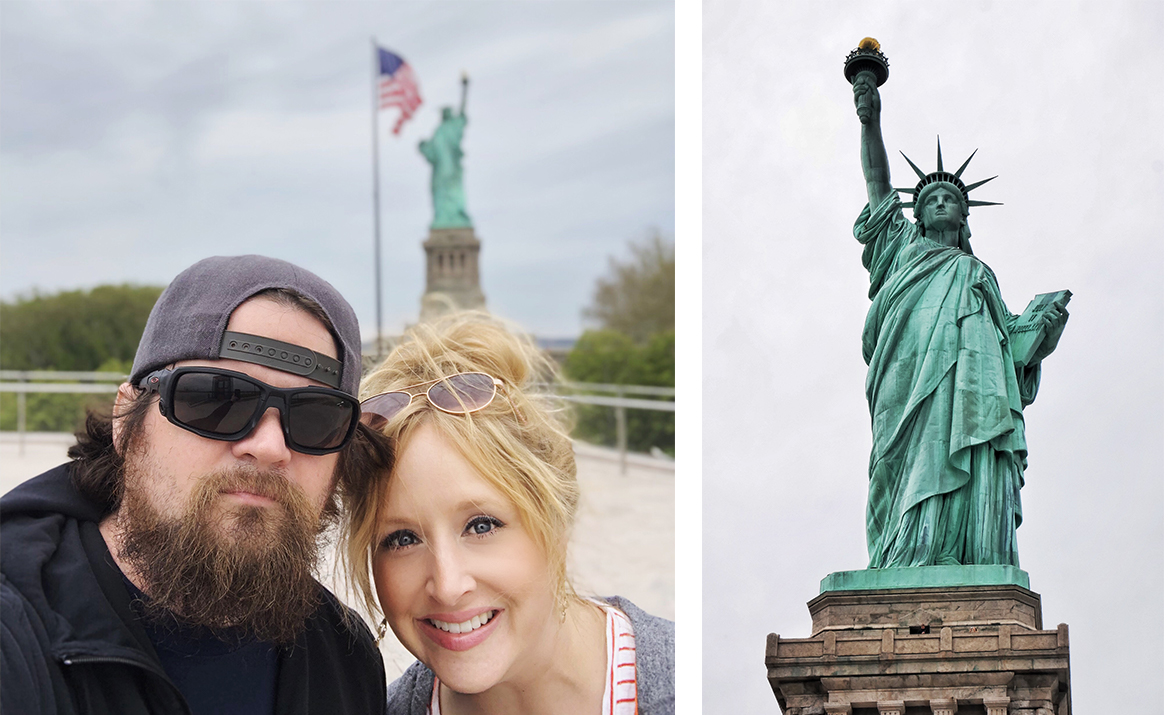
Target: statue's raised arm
866,69
875,165
463,97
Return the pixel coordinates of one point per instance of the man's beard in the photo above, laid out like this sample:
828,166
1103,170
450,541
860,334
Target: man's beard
239,570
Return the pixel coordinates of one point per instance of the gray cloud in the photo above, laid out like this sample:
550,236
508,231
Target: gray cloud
135,139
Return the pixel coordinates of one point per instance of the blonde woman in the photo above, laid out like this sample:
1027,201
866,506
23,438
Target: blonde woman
466,541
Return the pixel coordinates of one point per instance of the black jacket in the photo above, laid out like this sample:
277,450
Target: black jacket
69,642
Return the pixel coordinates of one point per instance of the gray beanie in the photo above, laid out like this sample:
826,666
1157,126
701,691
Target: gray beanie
191,315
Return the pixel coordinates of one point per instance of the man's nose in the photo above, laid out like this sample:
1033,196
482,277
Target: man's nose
265,445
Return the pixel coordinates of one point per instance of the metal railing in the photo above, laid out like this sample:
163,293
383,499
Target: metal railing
620,403
23,382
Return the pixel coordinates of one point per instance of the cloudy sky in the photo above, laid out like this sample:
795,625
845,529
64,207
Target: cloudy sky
1064,102
136,138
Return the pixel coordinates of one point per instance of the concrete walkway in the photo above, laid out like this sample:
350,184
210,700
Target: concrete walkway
623,543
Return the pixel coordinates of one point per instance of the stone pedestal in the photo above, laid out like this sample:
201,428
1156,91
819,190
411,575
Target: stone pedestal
959,650
452,273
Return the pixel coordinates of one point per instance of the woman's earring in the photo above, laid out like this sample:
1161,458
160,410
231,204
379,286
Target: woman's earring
382,631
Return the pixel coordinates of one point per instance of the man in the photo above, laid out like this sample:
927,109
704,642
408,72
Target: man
946,394
168,567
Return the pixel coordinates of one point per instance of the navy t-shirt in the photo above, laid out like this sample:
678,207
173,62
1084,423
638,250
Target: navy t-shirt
217,677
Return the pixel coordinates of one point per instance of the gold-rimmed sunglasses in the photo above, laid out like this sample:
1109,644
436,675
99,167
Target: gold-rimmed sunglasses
459,394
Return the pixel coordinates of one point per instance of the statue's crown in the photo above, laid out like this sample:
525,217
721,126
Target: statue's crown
941,175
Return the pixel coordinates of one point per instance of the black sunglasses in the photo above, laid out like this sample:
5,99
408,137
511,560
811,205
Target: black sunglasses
227,405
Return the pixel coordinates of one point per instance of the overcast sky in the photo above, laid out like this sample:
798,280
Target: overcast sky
137,138
1064,101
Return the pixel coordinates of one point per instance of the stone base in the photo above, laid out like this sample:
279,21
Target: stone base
917,651
436,304
452,273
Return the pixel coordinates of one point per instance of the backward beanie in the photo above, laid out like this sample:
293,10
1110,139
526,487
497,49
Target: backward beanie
191,315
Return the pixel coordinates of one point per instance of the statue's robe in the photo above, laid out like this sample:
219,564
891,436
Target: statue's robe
945,402
444,151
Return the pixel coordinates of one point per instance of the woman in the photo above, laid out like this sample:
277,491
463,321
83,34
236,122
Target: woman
466,540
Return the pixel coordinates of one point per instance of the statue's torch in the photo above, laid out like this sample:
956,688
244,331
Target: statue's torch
869,59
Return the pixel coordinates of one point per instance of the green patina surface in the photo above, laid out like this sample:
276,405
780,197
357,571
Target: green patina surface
925,577
946,394
444,151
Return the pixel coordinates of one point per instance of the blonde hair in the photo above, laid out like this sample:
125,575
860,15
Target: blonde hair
519,443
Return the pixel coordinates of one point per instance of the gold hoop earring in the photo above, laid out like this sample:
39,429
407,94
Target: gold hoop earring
381,632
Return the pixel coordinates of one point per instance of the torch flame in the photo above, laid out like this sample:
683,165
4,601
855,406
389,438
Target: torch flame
868,43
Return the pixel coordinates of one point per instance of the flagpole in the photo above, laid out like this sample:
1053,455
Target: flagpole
377,211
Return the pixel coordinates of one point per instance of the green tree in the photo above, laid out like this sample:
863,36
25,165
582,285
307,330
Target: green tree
653,366
74,330
601,356
637,297
94,330
607,356
634,303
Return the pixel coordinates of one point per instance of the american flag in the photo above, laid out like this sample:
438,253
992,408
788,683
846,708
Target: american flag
397,86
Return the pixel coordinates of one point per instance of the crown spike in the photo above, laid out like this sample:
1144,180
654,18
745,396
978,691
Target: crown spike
912,166
907,204
942,175
959,173
977,184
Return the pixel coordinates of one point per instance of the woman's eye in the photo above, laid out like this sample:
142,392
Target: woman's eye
399,540
483,525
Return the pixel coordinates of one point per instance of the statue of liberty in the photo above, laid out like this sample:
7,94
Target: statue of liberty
445,154
948,379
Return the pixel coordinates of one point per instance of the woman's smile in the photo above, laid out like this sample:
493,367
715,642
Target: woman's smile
460,636
450,625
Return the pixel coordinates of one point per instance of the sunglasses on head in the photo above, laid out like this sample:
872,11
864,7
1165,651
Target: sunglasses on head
227,405
459,394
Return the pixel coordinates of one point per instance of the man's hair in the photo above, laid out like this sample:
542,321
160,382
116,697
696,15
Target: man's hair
99,463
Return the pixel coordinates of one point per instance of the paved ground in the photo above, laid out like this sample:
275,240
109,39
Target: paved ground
623,543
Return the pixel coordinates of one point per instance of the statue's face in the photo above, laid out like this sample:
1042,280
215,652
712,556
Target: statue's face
942,210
